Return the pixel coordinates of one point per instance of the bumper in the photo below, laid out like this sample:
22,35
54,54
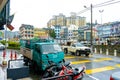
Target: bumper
87,51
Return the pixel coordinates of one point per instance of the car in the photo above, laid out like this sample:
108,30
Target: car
115,76
77,48
2,47
81,49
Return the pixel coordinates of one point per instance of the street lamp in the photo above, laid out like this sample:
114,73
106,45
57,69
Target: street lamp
91,41
101,11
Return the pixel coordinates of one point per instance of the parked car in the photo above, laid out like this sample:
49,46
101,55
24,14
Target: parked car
2,47
77,49
115,76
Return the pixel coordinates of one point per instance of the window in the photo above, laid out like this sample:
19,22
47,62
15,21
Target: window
51,48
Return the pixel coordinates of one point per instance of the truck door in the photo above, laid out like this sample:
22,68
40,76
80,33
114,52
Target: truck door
36,54
73,47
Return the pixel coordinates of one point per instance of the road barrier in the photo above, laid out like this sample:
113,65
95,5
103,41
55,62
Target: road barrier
95,50
100,51
4,54
107,52
13,56
115,52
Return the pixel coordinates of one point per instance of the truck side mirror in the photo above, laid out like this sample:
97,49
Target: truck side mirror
63,60
47,56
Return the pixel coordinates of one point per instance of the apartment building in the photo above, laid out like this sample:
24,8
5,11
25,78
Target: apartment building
75,20
62,20
57,20
26,31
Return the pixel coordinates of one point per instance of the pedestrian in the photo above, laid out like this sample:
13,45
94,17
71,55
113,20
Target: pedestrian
3,65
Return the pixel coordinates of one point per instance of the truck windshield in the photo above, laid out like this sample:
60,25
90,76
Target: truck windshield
51,48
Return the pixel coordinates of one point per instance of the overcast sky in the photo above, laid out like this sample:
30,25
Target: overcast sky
39,12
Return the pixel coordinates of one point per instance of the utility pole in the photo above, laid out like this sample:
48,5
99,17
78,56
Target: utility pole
101,11
91,7
91,26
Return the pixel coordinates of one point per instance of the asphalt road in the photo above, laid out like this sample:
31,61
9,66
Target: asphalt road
98,66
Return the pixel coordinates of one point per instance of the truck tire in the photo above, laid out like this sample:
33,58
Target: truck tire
36,68
77,53
86,55
26,61
65,51
49,71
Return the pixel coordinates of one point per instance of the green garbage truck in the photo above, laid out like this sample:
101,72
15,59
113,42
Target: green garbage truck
34,52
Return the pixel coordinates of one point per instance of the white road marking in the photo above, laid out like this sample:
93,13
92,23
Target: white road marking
93,77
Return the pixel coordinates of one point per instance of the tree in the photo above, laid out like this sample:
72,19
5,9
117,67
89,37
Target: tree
52,33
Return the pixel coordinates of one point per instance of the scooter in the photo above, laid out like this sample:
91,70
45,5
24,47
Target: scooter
72,74
54,68
64,72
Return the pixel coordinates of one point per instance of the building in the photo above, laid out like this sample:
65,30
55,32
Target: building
115,30
85,34
108,31
104,31
75,20
62,20
26,31
57,30
57,20
40,33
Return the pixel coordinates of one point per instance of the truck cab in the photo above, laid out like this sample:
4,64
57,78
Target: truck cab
52,50
35,52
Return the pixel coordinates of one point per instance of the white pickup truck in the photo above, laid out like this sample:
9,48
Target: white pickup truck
77,49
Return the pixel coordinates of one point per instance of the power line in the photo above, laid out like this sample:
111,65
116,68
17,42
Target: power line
82,11
99,5
103,3
106,4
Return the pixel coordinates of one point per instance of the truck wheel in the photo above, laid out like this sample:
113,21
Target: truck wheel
36,68
86,55
26,61
77,53
65,51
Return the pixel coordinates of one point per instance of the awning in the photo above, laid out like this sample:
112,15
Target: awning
2,4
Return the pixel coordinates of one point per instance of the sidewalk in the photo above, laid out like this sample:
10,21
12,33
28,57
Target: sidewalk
23,79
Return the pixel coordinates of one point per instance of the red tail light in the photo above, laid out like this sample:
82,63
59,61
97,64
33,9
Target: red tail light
111,78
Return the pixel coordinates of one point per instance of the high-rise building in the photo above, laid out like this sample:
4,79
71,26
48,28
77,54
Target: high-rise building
62,20
26,31
57,20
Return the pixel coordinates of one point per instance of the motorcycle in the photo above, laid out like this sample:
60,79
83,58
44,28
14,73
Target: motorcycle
63,71
71,74
54,68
